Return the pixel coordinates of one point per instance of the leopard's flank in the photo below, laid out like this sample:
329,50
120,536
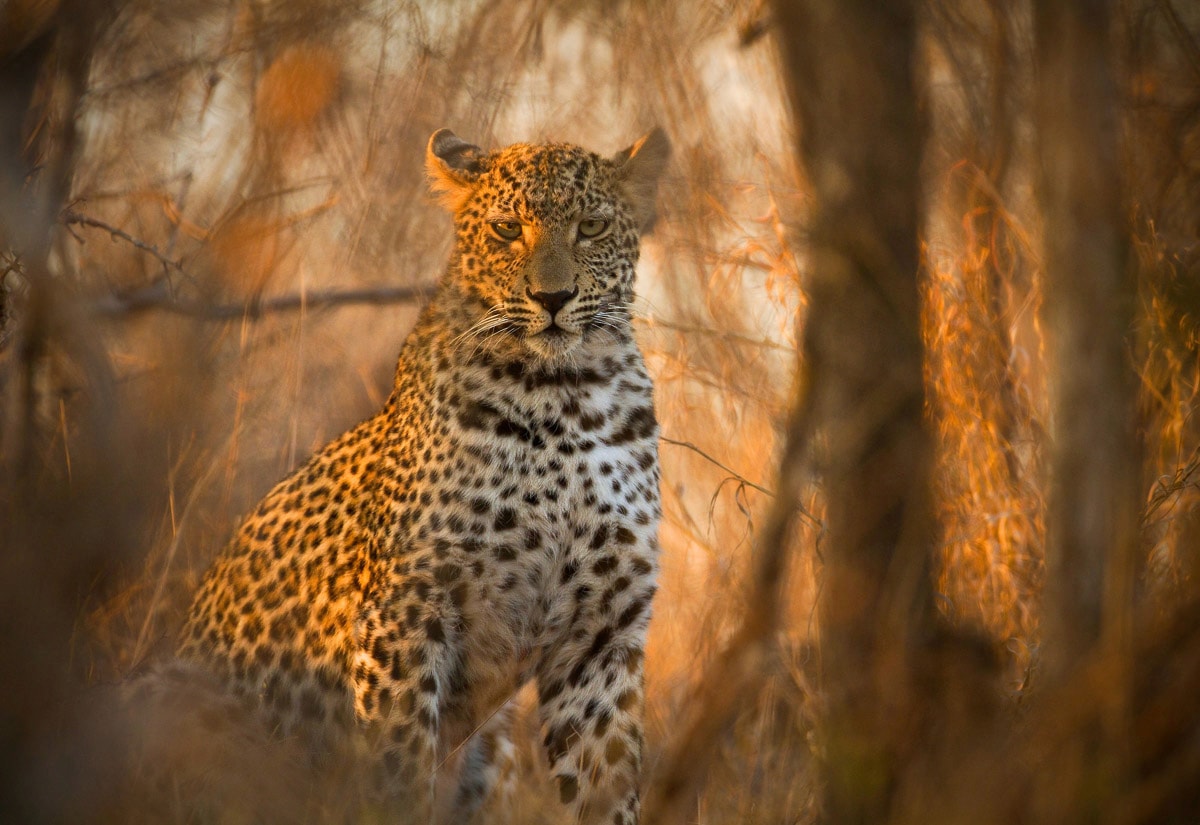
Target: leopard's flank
494,524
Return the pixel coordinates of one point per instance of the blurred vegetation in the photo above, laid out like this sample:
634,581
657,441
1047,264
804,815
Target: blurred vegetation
214,235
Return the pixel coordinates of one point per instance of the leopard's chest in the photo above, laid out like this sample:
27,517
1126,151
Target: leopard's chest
581,446
511,447
535,476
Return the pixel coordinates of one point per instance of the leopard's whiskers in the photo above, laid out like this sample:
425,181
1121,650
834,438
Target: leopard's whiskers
491,320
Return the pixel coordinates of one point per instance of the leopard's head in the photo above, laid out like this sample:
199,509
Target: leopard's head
546,236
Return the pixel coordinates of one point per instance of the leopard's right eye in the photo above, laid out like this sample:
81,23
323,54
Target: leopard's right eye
506,230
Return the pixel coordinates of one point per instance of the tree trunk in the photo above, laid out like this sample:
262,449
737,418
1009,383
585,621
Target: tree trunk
1089,307
1092,522
850,68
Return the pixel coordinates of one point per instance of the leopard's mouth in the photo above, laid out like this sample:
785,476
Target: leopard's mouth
553,341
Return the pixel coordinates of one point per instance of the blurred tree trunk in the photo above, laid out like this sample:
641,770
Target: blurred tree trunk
63,529
1089,306
850,69
1093,517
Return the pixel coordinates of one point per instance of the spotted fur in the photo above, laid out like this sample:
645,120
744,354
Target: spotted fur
495,523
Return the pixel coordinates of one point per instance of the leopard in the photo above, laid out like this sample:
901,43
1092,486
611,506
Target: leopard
494,525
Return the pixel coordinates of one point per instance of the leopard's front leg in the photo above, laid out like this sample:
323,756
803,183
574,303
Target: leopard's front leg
404,670
590,685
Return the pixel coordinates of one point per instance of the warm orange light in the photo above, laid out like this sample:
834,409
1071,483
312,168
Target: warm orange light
297,88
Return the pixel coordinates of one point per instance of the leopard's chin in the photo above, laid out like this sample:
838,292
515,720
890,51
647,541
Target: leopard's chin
554,343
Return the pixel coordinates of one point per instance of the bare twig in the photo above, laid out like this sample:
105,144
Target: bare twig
1186,475
734,473
70,216
741,479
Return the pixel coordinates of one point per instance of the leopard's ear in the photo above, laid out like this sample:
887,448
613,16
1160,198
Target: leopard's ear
638,168
453,166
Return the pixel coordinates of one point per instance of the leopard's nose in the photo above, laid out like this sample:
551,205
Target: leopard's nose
553,301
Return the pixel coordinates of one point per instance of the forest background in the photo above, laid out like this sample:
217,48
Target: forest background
922,308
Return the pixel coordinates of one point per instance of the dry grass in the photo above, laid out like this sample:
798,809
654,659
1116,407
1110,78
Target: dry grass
984,366
251,155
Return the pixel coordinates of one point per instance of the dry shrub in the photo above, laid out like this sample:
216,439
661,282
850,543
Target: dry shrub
1163,147
1170,375
982,383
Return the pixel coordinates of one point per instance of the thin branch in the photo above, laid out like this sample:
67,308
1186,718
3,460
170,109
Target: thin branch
1187,475
736,475
70,216
155,299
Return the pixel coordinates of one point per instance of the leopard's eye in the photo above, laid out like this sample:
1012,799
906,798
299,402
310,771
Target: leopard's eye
506,230
592,228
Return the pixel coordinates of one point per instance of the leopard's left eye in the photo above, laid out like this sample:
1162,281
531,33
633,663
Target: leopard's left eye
592,228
